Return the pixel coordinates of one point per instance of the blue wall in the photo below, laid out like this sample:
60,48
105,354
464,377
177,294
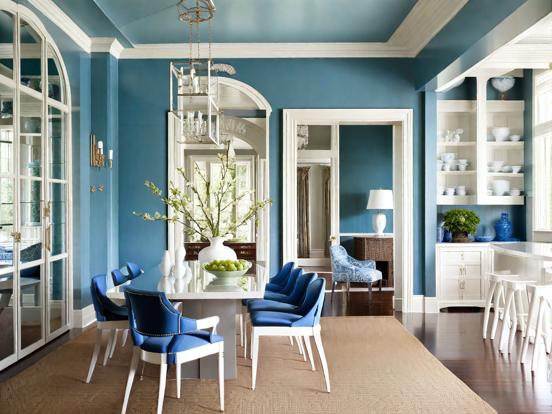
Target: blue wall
285,83
365,163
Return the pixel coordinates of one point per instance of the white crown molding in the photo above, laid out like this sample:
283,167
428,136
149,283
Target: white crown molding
266,50
106,45
422,23
64,22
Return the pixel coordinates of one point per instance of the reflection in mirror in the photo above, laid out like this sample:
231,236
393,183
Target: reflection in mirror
56,143
7,317
55,81
31,57
6,44
314,143
31,220
31,303
57,299
57,218
30,147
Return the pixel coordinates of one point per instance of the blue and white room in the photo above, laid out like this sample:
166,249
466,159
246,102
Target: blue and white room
277,206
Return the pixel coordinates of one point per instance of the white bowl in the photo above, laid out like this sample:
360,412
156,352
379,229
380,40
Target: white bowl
500,134
496,166
516,169
515,192
515,138
503,83
462,167
501,187
462,162
448,156
507,169
449,191
447,167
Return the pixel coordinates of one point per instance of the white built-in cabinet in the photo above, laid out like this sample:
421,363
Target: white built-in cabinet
461,273
477,119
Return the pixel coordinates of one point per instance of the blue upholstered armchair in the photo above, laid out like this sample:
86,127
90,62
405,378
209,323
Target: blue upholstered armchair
348,269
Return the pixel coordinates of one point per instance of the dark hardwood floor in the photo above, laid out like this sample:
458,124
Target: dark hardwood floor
453,337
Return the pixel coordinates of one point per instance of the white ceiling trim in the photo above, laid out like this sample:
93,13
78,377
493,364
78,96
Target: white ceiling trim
422,23
64,22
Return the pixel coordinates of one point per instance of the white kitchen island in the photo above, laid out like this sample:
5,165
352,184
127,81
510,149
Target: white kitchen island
529,260
203,297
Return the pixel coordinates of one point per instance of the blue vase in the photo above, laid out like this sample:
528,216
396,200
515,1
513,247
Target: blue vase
503,228
447,237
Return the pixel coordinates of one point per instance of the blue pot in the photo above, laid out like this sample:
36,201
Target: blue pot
447,237
503,228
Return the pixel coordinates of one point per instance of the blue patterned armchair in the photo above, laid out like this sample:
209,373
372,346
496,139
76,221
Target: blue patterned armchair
347,269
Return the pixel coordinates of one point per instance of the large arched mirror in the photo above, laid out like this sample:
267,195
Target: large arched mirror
244,129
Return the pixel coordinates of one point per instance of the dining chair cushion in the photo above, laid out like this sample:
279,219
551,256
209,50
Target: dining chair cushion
271,305
267,318
134,270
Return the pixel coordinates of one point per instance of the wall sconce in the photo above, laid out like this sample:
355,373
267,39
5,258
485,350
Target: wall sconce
97,157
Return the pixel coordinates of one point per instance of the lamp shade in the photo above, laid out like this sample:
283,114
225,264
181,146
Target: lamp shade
380,200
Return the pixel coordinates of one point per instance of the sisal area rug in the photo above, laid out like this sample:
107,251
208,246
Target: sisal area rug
376,366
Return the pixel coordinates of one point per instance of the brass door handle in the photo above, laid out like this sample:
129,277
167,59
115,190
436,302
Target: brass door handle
16,236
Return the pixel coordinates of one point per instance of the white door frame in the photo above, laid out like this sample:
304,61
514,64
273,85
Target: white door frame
175,236
403,169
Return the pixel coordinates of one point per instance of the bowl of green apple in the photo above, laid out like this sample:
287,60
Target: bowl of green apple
227,269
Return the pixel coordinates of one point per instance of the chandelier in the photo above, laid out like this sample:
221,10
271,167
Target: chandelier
194,84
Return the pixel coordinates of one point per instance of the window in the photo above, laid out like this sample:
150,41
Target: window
542,152
210,168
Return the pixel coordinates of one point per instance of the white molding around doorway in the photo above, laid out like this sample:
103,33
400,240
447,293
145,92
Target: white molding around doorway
403,169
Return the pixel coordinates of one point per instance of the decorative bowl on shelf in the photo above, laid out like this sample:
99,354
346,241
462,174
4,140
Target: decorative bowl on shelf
516,169
496,166
500,134
501,187
448,156
503,83
450,191
484,239
516,192
515,138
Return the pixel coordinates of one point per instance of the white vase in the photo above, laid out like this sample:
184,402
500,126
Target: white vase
216,251
165,284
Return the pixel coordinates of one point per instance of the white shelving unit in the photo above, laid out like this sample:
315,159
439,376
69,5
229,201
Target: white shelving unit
477,118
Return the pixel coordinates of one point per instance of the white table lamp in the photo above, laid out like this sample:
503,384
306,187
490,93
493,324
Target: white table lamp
380,200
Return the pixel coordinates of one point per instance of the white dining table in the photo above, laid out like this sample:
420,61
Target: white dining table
202,297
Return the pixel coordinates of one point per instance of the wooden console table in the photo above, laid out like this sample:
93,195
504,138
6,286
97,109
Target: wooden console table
246,251
379,249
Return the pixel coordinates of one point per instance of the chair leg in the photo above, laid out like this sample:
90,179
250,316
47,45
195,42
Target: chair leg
318,342
178,379
333,290
131,373
162,383
538,333
108,347
114,343
125,337
513,328
95,354
291,340
505,320
309,351
533,305
301,349
221,377
255,355
487,313
499,298
240,317
370,287
245,336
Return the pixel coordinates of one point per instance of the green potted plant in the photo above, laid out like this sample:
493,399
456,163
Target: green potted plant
461,223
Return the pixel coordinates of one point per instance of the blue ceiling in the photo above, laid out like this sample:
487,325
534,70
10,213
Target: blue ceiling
148,21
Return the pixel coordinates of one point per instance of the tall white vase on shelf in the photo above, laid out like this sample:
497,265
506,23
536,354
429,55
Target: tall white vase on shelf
165,283
216,251
179,270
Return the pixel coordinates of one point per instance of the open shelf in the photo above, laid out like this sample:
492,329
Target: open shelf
505,175
457,144
468,172
504,200
518,145
456,200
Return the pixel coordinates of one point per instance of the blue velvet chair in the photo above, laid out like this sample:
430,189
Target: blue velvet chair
347,269
278,282
287,289
162,336
289,303
305,322
134,270
109,318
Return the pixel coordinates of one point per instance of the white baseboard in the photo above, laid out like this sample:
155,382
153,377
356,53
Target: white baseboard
84,317
431,304
417,303
397,304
